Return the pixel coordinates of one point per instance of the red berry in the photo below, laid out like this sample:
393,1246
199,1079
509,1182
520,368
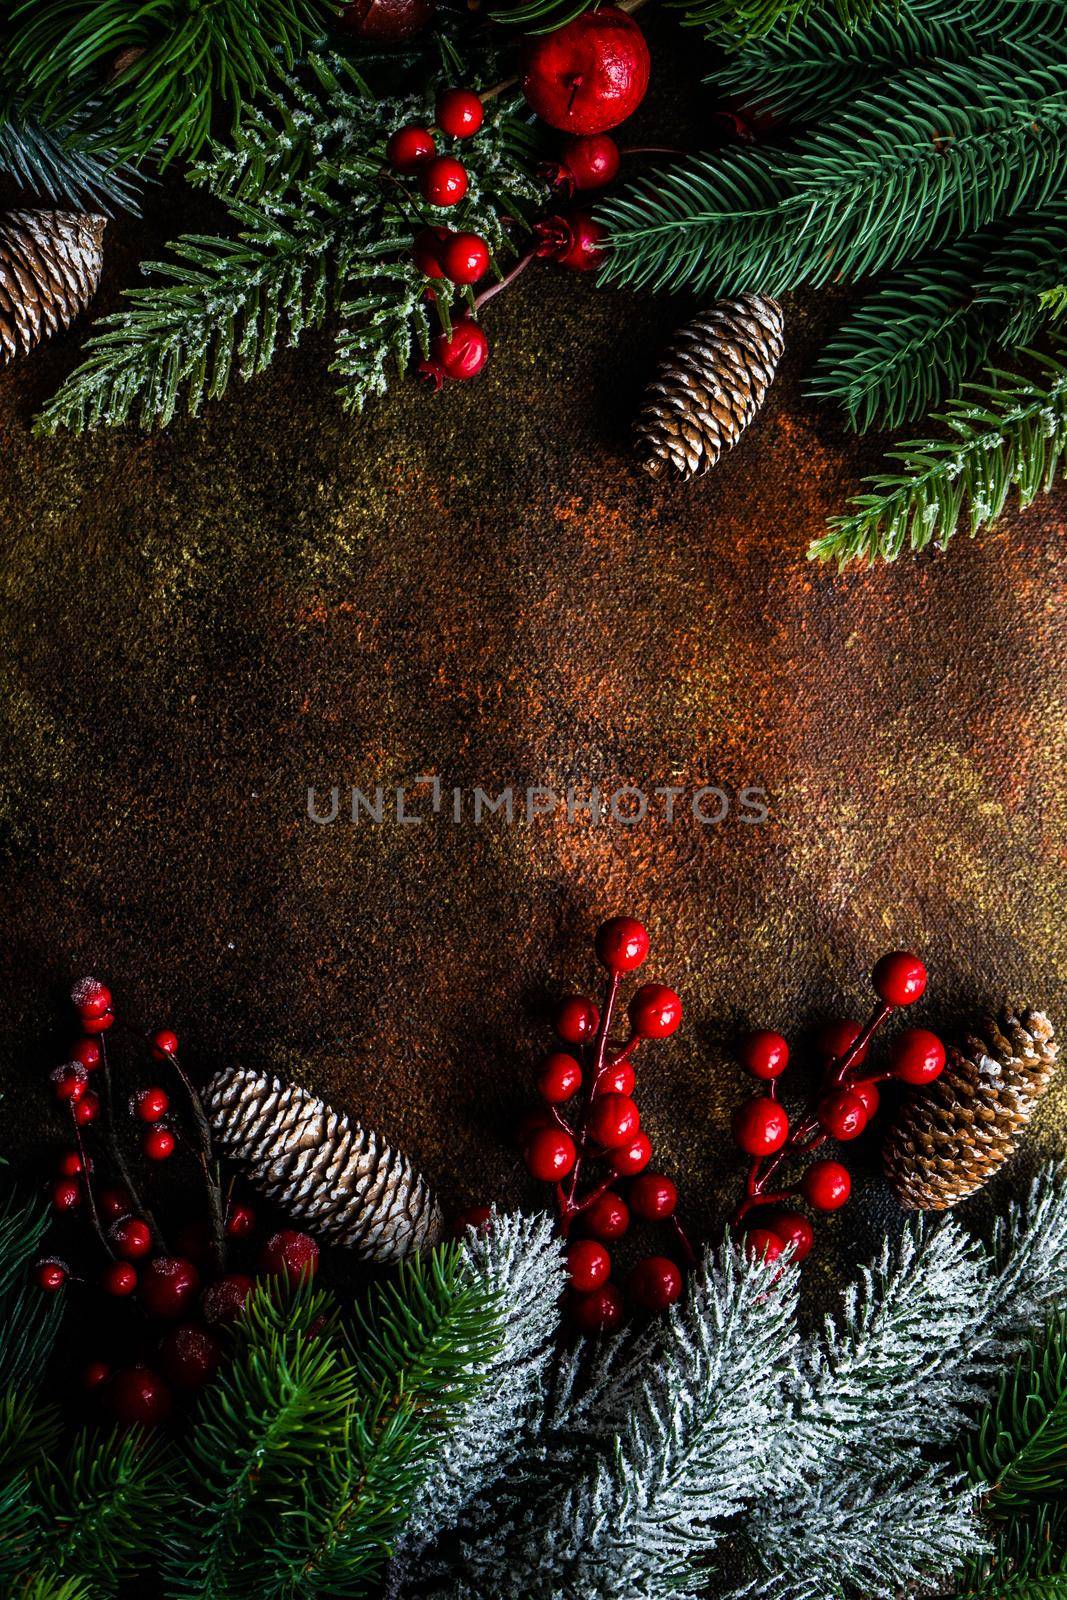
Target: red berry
463,353
792,1228
899,978
613,1120
168,1285
87,1109
917,1056
480,1218
66,1194
550,1154
50,1274
762,1245
151,1104
409,148
632,1157
560,1077
838,1037
576,1019
443,181
600,1311
589,75
389,21
225,1299
842,1114
826,1185
131,1237
91,998
763,1054
865,1090
589,1265
70,1081
655,1283
240,1222
291,1255
606,1218
590,162
95,1374
618,1079
465,258
139,1395
459,113
655,1011
164,1045
70,1164
113,1203
119,1279
426,251
760,1127
158,1144
189,1355
653,1197
87,1051
621,944
584,249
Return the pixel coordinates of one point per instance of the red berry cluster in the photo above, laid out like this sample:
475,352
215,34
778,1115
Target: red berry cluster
461,350
847,1100
606,1130
165,1283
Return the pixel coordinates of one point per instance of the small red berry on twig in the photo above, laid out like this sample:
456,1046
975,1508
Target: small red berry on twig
899,978
655,1283
600,1311
164,1045
169,1284
151,1104
70,1081
291,1255
576,1019
158,1144
51,1274
459,113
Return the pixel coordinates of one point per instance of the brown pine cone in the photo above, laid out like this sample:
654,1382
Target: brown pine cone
712,381
953,1134
339,1179
50,264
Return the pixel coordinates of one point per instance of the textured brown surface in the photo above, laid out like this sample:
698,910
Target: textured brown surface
199,625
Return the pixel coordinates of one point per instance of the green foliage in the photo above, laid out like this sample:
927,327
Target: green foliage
539,16
941,152
1053,302
99,1511
806,71
69,165
735,23
1006,434
196,60
44,1588
29,1321
319,221
1018,1458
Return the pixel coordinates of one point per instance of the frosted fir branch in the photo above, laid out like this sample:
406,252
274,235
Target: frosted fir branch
1030,1262
702,1428
906,1327
520,1260
871,1530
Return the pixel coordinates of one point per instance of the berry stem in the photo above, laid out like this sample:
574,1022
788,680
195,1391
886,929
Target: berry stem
509,278
570,1206
116,1149
98,1226
683,1240
841,1064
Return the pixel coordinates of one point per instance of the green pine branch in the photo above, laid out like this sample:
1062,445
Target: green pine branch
160,75
809,70
1005,435
320,223
937,154
736,23
538,16
69,165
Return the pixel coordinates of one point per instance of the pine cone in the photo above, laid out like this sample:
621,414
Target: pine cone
712,381
329,1173
50,264
953,1134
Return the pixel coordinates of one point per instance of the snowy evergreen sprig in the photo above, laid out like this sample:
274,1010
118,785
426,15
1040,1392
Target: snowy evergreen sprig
319,222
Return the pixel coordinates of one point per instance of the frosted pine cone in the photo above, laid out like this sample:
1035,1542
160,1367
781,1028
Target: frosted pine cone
953,1134
50,264
340,1180
711,383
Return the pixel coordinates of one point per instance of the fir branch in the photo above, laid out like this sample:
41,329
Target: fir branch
1007,434
1054,302
66,165
99,1510
807,71
29,1321
1019,1452
45,1588
942,152
538,16
735,23
180,63
319,218
1022,269
918,336
28,1431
